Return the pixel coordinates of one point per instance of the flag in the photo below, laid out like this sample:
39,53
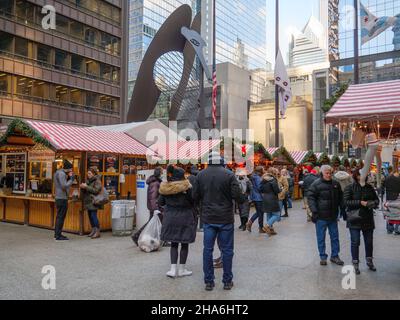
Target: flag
214,98
372,26
283,82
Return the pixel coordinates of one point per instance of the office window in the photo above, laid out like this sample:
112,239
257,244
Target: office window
91,36
77,30
44,53
62,24
24,86
61,59
25,12
92,68
40,89
76,97
21,47
6,41
6,7
105,71
62,94
5,83
77,64
91,100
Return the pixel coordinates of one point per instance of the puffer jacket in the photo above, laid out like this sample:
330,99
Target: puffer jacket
324,199
93,189
353,195
270,192
392,187
153,193
284,186
215,190
308,181
255,191
179,220
344,179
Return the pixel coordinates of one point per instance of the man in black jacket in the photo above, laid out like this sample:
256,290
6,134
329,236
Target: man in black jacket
325,197
392,190
215,189
307,182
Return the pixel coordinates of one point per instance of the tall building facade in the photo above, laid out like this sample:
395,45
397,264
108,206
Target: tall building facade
74,73
241,32
379,58
309,46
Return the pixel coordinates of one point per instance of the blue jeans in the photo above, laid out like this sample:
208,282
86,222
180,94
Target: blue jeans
321,227
94,221
289,202
355,235
224,233
259,214
392,227
273,217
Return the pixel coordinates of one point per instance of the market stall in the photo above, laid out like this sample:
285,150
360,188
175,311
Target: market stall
32,151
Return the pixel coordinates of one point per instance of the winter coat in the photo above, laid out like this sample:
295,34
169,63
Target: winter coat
284,185
179,222
215,190
94,187
256,184
270,191
324,199
246,187
344,179
62,185
353,195
392,187
291,185
153,193
308,181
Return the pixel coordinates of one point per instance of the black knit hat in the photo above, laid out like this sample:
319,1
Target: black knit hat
178,175
67,165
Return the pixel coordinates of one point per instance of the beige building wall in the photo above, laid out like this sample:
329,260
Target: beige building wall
295,128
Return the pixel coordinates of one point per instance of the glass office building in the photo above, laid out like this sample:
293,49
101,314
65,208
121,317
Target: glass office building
380,57
241,32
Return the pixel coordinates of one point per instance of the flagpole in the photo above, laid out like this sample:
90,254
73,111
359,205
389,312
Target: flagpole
276,86
214,66
356,49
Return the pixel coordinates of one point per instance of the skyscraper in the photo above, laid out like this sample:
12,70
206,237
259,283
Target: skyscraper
74,73
309,45
241,32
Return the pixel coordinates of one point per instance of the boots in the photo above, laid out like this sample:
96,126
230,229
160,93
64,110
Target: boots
243,224
370,264
173,272
248,225
91,234
96,234
183,272
356,266
267,229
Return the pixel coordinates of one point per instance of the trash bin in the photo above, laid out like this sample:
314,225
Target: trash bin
123,215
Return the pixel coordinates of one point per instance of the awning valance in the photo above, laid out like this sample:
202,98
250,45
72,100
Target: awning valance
378,100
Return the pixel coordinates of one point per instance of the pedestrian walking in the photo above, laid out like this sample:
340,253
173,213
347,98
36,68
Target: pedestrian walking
92,188
244,208
179,222
392,190
325,196
360,203
63,180
256,198
309,179
283,196
215,190
289,177
270,191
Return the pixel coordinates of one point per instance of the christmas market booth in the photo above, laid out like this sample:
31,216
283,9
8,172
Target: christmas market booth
31,152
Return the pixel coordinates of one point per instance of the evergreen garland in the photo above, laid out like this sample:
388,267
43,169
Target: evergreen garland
336,161
282,151
324,159
259,148
19,124
309,157
329,103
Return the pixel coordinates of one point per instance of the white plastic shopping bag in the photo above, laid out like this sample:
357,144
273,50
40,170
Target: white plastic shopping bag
150,238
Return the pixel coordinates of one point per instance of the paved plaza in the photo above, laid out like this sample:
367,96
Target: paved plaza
282,267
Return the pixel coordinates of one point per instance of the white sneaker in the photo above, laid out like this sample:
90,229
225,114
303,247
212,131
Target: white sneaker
172,273
182,272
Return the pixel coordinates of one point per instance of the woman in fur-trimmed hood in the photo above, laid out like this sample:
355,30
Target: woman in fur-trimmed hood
179,222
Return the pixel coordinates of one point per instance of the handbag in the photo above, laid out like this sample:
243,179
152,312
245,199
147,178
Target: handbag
353,216
102,198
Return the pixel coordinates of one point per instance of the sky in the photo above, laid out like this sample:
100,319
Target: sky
293,14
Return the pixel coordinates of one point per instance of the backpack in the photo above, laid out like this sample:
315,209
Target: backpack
102,198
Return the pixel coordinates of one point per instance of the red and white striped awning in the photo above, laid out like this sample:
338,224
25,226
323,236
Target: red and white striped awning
184,150
271,151
298,156
378,100
71,138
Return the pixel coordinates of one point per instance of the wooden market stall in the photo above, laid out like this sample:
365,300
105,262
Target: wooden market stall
32,151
